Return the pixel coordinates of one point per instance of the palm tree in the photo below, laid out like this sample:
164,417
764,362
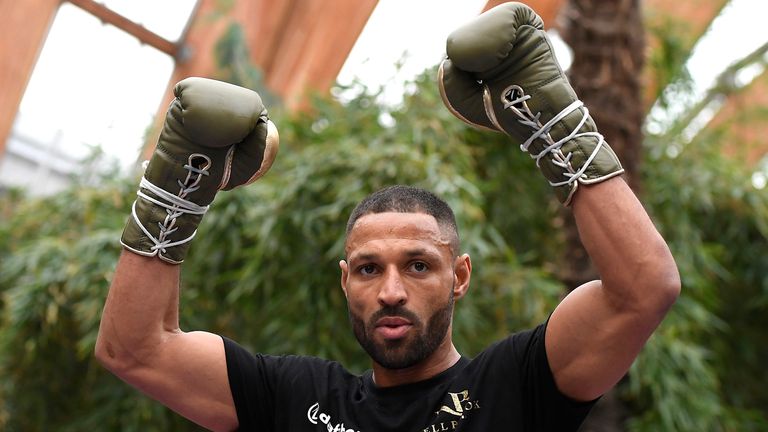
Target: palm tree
609,48
608,43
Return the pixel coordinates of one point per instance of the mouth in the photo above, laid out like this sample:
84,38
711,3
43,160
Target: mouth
391,328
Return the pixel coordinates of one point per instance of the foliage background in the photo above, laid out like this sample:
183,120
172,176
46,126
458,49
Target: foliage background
263,269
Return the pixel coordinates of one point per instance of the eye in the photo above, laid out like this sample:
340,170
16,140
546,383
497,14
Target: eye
367,269
419,267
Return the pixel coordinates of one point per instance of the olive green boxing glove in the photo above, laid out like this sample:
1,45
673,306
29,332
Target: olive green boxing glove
216,136
501,74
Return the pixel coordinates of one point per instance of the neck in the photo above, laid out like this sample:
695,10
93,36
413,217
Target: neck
440,360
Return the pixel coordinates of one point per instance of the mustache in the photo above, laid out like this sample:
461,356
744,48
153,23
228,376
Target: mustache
394,311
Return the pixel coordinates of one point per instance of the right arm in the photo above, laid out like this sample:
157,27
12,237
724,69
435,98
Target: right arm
140,341
216,136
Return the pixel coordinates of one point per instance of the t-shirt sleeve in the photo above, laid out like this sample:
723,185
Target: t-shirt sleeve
252,381
547,408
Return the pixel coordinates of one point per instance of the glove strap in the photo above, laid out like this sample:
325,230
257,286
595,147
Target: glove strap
516,102
175,206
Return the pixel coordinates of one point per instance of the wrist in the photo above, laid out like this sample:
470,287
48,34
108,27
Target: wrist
163,223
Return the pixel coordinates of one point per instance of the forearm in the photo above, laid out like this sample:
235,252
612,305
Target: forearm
140,311
634,263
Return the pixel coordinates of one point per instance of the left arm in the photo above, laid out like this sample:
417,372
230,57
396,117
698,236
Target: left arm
598,330
501,74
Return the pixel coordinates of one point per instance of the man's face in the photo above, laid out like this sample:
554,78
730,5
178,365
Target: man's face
400,282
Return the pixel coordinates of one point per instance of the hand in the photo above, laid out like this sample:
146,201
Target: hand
215,136
501,74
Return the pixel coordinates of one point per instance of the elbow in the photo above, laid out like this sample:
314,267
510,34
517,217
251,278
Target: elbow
664,282
670,288
106,353
115,357
125,353
652,286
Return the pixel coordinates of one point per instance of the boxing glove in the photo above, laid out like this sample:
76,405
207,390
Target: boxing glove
215,136
501,74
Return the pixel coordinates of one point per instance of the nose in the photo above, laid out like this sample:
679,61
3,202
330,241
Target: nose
392,292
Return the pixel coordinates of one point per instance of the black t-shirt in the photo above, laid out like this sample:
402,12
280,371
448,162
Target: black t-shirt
507,387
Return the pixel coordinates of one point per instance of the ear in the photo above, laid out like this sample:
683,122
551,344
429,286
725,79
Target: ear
344,275
462,272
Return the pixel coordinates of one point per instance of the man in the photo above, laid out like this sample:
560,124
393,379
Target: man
402,272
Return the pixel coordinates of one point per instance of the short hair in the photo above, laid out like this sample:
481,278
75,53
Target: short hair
408,199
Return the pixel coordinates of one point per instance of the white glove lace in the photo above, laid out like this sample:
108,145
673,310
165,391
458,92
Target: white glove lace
514,100
175,205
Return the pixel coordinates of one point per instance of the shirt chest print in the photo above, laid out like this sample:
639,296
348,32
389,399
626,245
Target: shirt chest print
458,406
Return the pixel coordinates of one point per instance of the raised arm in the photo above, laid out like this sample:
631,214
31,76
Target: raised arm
140,341
216,136
598,330
501,75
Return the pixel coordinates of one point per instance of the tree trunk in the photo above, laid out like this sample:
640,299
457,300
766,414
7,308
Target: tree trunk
607,39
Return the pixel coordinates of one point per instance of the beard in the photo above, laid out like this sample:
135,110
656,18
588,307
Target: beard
408,351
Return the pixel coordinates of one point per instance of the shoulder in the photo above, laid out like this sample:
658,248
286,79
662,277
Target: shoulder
519,359
240,360
517,346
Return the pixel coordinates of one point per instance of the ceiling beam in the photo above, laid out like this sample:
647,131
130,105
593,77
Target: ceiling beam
144,35
25,25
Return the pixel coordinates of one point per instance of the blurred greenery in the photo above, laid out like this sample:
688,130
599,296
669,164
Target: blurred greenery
263,269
